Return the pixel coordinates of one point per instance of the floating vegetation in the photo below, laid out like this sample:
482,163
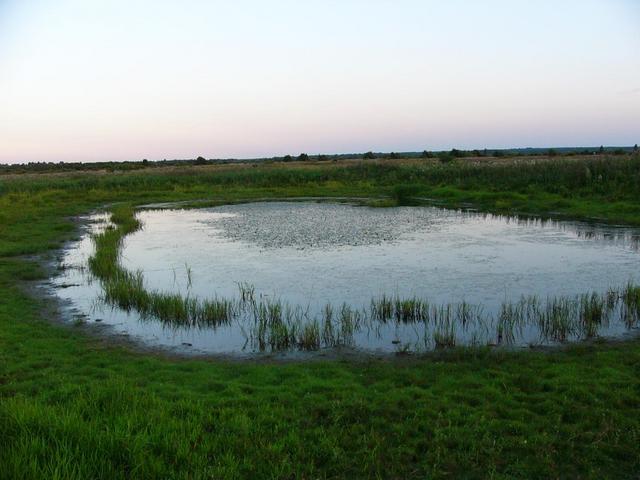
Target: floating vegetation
271,325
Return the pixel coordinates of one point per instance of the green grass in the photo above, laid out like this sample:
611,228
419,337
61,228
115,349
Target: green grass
75,406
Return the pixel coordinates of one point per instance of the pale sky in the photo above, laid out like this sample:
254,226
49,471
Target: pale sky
93,80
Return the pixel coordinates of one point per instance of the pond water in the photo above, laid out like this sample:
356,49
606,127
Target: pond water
304,256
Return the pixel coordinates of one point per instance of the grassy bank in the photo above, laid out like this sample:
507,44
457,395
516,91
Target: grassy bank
72,406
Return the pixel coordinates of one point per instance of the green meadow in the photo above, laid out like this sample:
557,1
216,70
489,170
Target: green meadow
75,405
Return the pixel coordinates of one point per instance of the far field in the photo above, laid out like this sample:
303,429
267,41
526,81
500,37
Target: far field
75,406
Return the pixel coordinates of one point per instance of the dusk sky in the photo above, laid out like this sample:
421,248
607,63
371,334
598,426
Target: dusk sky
95,80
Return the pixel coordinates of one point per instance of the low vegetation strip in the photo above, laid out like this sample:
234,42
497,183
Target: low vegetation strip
72,406
604,187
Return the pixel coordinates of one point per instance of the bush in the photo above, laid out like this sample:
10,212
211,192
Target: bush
403,194
445,157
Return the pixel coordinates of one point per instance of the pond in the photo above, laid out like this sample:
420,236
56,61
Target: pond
338,275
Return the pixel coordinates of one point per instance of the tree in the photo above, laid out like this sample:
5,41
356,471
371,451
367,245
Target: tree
601,150
369,156
303,157
427,154
393,156
287,158
635,148
322,158
145,161
551,152
201,161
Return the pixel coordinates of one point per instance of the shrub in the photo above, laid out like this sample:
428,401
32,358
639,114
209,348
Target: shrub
403,194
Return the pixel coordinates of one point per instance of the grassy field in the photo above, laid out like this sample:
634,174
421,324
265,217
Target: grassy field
73,406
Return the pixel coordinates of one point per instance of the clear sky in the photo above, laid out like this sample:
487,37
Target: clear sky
90,80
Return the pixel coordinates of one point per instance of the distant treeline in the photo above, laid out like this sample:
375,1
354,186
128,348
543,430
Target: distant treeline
443,156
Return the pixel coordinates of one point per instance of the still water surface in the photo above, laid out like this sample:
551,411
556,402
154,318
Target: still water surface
310,254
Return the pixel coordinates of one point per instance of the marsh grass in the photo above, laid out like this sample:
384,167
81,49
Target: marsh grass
247,292
594,312
189,273
444,332
558,320
405,310
631,305
310,336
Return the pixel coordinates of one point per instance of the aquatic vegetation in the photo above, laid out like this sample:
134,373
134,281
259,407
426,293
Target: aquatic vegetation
631,305
215,311
328,332
444,333
406,310
510,316
247,292
310,336
555,320
411,310
349,320
189,275
594,310
382,308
